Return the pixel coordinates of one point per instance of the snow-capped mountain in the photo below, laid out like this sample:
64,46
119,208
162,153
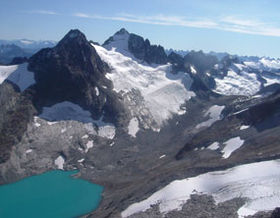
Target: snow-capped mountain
166,135
30,44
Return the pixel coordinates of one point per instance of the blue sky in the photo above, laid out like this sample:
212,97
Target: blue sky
246,27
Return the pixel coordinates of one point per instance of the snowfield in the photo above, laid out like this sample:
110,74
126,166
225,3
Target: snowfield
231,145
69,111
133,127
214,146
17,74
59,162
163,92
257,182
242,83
214,113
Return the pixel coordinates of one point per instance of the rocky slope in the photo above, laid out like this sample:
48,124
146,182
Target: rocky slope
133,119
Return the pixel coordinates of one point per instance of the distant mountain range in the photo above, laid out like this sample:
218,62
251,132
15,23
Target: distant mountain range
167,135
10,49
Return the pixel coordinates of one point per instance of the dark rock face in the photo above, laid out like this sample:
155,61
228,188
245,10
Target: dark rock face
19,60
276,213
177,62
203,63
143,50
72,71
16,110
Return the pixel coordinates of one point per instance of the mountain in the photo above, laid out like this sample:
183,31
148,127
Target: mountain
126,42
29,44
165,135
20,50
10,51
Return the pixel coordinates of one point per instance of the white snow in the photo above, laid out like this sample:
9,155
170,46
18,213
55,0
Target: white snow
214,146
35,120
17,74
264,64
271,80
163,92
193,70
81,160
162,156
89,145
238,112
214,114
120,44
66,111
5,71
244,127
231,145
270,63
241,83
28,151
258,182
63,130
85,136
59,162
69,111
26,42
133,127
97,91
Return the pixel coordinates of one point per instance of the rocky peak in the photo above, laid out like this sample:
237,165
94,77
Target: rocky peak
73,36
122,31
177,62
143,50
72,71
125,43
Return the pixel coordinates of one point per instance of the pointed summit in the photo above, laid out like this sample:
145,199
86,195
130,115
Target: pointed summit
119,41
70,72
74,35
136,47
122,31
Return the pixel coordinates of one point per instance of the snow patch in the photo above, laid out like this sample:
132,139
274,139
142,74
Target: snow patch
81,160
214,146
214,114
258,182
28,151
59,162
89,145
85,136
193,70
231,145
63,130
35,120
69,111
97,91
244,127
133,127
17,74
162,156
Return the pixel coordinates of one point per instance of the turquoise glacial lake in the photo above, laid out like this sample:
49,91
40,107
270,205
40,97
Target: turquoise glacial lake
55,194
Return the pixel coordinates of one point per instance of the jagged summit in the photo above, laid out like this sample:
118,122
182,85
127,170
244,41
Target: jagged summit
130,44
122,31
72,71
73,35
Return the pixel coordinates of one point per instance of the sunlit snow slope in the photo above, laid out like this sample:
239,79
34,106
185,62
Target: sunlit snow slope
257,182
17,74
163,93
